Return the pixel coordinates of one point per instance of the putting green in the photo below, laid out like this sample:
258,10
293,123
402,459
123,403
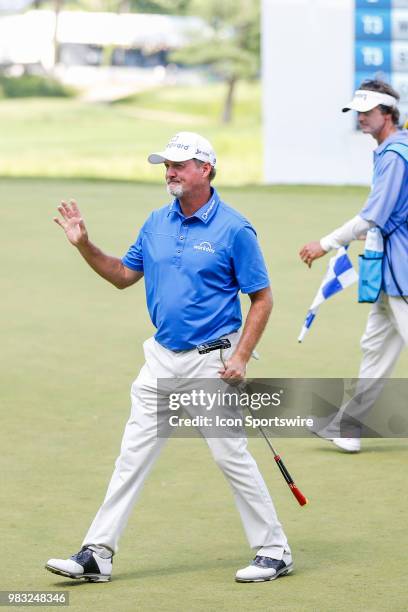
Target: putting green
71,345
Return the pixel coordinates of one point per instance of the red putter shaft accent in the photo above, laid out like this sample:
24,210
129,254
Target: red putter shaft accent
302,500
289,480
298,494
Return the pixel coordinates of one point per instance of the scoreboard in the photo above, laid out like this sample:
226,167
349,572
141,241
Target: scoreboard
381,45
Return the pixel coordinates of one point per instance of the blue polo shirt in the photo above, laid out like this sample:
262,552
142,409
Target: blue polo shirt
194,268
387,207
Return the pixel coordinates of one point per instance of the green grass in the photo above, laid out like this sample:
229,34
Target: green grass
202,102
30,85
71,345
69,138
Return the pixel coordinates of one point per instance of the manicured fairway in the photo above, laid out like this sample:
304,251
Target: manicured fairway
69,138
71,346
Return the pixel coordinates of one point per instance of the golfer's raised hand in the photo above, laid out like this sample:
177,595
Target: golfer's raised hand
72,223
310,252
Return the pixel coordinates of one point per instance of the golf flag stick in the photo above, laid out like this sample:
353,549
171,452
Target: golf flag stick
339,275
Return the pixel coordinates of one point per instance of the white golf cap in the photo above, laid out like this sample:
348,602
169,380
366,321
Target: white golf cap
365,100
184,146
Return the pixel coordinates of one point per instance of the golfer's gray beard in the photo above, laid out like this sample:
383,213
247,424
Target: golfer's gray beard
175,190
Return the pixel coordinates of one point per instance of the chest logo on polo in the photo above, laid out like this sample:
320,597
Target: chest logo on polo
204,246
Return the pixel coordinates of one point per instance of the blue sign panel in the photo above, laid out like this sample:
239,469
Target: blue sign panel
372,25
381,44
377,4
373,56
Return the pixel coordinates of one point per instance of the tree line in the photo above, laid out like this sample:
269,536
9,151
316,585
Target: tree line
231,46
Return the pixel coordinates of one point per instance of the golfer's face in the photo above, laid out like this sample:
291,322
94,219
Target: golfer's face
185,176
371,122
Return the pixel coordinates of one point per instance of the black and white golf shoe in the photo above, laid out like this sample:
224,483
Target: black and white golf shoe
263,569
86,565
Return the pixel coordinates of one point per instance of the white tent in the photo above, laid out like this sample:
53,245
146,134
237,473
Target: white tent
28,38
14,6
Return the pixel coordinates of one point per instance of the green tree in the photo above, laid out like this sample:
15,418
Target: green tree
232,48
230,45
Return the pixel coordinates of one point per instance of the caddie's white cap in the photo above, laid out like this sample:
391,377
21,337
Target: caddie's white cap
184,146
365,100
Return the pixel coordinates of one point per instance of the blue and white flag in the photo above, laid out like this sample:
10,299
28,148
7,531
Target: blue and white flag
340,274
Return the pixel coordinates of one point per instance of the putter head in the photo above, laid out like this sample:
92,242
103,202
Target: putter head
213,345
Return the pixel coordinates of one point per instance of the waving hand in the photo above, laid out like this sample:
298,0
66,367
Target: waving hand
72,223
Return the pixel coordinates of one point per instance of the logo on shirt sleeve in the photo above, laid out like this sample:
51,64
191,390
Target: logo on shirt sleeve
204,246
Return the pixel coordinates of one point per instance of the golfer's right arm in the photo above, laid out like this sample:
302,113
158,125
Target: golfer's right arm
110,268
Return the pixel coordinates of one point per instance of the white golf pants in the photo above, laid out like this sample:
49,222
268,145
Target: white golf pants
385,336
141,447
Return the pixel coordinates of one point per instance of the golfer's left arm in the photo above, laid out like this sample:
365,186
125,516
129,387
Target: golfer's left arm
257,318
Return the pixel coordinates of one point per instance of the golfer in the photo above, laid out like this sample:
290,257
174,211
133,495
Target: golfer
195,255
386,208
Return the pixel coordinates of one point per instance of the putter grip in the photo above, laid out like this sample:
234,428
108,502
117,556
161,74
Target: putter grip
283,470
298,494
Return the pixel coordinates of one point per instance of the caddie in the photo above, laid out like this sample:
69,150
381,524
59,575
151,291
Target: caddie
383,220
195,255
